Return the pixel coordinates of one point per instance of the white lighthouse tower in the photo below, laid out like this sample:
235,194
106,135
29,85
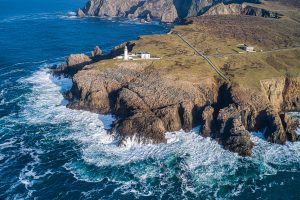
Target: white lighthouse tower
126,56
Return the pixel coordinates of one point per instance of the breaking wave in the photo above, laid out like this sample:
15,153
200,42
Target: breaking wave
188,166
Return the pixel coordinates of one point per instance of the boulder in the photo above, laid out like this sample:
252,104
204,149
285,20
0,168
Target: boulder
96,52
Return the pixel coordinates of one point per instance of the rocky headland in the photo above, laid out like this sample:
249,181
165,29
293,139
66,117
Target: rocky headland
149,103
167,11
181,91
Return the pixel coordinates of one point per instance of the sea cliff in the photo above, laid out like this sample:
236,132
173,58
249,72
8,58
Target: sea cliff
167,11
182,90
149,103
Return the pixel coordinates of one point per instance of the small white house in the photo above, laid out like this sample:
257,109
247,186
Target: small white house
247,48
145,55
135,56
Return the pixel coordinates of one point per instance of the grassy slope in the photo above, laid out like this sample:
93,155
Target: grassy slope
176,58
220,35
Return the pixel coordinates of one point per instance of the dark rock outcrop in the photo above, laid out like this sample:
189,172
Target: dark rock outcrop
275,132
96,52
239,110
237,138
142,127
75,62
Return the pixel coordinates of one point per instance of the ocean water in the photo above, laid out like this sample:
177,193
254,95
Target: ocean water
50,152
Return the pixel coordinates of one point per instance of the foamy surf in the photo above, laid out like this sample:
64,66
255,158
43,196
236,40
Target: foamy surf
201,165
39,136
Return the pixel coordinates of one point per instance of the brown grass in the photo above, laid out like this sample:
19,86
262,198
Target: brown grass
221,34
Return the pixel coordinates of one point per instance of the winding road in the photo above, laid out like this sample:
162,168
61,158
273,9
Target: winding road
204,57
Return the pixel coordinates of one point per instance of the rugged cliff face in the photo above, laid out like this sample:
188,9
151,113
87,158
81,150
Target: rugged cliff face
240,9
149,103
163,10
283,93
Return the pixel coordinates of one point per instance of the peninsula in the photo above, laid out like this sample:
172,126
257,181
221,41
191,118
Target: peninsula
228,71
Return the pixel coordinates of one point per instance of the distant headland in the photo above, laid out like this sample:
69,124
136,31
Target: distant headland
169,11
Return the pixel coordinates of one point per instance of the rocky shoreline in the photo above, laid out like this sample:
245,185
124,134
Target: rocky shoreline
170,11
150,99
149,103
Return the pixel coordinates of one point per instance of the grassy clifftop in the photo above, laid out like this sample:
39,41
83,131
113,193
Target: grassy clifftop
276,41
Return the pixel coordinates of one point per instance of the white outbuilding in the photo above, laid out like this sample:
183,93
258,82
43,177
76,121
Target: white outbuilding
246,47
145,55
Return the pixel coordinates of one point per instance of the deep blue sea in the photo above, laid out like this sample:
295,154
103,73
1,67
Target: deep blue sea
50,152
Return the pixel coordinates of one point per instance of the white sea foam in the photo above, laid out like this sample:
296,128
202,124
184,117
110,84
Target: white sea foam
29,175
207,166
72,13
31,17
9,73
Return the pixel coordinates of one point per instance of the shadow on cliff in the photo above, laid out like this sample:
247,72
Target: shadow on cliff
182,7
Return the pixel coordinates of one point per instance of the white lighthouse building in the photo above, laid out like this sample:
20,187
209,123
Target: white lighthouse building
135,56
126,55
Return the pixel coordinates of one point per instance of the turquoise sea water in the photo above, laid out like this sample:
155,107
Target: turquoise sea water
50,152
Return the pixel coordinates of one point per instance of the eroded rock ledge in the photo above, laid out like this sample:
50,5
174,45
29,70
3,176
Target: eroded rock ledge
149,103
